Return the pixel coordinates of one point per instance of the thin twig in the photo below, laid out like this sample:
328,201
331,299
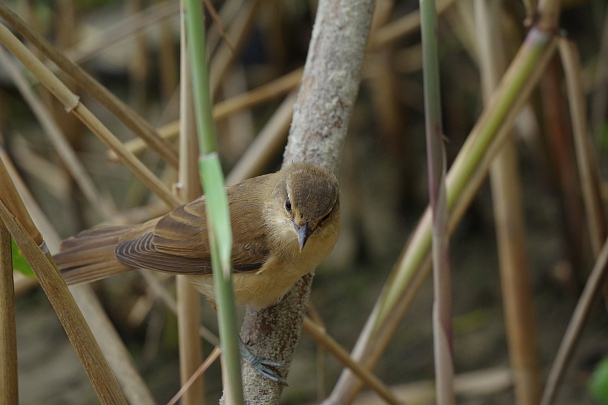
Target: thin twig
586,161
576,324
326,341
213,356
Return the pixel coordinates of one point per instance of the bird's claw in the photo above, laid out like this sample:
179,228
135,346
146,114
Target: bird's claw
262,367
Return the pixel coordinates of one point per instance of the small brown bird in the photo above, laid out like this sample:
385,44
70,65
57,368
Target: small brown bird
284,224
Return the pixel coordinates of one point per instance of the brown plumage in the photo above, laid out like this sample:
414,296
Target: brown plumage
284,224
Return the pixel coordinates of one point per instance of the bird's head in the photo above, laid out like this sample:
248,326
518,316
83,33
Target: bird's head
310,200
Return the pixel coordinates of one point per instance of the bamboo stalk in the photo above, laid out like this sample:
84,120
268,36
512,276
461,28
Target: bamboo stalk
509,219
9,389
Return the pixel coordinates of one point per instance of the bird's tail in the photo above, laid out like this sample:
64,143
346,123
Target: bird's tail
89,256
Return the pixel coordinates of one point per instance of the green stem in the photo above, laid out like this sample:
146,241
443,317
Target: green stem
218,218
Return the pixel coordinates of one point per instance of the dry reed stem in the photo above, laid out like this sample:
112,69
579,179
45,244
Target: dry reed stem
213,356
470,385
238,33
321,360
168,70
599,101
595,218
160,291
586,160
190,354
415,260
123,112
111,345
548,15
57,138
138,66
436,168
509,219
9,389
223,109
402,27
327,342
188,299
575,327
72,104
226,16
134,164
276,88
23,284
118,356
123,30
266,145
103,380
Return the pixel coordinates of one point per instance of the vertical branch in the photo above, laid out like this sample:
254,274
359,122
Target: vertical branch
9,390
509,220
320,121
442,307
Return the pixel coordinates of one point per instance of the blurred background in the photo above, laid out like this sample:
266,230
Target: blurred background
132,48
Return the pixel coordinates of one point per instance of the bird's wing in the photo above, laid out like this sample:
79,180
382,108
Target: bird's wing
179,241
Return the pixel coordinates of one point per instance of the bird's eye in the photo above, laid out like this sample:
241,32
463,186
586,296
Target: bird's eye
288,205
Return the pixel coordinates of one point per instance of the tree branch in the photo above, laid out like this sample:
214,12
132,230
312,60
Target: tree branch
320,121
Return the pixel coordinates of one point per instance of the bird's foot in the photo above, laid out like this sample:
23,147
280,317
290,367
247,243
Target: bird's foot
263,367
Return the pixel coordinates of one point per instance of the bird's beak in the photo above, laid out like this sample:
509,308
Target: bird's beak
303,232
